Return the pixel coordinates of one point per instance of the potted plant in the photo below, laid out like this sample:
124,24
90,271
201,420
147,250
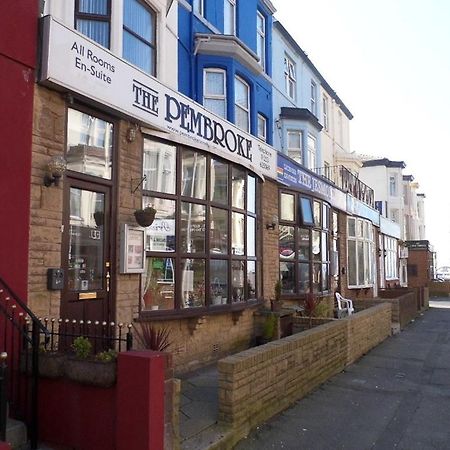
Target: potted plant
276,303
268,330
146,216
83,368
152,338
311,303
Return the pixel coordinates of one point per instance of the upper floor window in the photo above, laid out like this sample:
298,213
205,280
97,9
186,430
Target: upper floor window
294,141
325,112
261,39
341,128
139,35
229,26
262,127
313,97
289,76
93,19
199,7
392,186
242,103
214,91
312,152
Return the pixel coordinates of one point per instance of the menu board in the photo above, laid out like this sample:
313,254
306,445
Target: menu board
132,254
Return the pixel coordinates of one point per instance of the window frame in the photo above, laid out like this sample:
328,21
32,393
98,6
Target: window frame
390,258
198,7
238,78
313,99
290,76
263,120
290,149
223,97
261,38
312,152
245,261
94,17
325,112
152,45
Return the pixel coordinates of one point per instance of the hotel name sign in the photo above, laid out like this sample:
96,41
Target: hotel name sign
72,61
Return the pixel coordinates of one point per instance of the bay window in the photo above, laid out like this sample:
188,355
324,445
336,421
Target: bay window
203,246
304,242
214,91
360,248
294,144
242,104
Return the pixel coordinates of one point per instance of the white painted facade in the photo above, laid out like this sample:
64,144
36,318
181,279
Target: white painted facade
166,32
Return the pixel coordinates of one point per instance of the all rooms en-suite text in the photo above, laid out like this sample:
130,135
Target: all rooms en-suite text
87,61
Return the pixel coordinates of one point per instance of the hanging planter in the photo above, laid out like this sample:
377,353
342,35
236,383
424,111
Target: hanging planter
145,217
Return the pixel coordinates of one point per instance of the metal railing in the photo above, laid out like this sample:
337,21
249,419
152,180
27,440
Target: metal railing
3,381
346,180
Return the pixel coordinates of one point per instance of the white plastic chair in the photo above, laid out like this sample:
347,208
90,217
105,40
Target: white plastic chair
344,306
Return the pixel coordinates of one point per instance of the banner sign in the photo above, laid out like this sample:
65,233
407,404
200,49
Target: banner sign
74,62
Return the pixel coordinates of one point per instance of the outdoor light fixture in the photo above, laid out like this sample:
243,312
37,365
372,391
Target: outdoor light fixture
131,133
273,224
55,169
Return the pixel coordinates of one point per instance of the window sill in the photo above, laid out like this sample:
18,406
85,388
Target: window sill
196,312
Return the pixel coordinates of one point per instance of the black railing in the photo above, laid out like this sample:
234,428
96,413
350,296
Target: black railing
348,182
3,381
22,388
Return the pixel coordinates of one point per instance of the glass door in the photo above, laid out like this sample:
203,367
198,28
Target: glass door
86,252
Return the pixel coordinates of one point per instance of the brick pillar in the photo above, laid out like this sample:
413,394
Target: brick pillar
140,401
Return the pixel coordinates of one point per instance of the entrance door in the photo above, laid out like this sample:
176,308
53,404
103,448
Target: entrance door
86,252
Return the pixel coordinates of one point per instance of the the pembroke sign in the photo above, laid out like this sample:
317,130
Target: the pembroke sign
73,62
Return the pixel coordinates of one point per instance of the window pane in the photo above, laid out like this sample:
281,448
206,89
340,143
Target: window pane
159,166
303,244
219,231
219,182
251,280
138,53
237,277
237,233
325,216
325,278
287,276
352,278
218,274
303,284
262,127
306,210
160,235
316,245
251,194
192,283
287,208
251,236
96,30
99,7
89,144
351,227
317,218
229,17
242,119
138,19
159,284
317,278
193,177
241,93
325,256
238,188
360,251
193,225
294,139
214,83
286,242
217,106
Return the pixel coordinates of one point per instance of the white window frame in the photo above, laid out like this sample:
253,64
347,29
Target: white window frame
216,96
261,38
325,112
363,234
237,79
391,258
295,150
290,77
392,185
262,135
198,7
313,97
231,4
312,152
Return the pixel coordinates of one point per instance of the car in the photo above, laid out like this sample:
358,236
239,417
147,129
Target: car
444,273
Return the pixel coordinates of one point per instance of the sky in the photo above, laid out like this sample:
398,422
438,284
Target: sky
389,62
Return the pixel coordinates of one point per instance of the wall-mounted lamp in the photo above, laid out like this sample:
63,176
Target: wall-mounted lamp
273,224
131,133
55,169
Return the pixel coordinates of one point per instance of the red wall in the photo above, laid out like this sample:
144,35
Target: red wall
18,37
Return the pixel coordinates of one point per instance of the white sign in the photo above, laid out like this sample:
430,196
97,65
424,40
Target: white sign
80,65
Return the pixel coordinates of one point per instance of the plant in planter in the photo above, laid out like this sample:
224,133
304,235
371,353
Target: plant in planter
99,371
145,217
268,330
312,303
276,304
152,338
50,363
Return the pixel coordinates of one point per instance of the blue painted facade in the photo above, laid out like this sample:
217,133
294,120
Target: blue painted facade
192,61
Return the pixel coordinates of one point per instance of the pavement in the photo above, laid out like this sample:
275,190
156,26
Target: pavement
395,397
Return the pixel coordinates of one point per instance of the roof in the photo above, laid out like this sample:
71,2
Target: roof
384,162
408,178
313,68
301,114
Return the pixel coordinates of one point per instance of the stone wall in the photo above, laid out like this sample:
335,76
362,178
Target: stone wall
260,382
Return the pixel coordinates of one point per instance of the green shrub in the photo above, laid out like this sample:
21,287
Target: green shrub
82,347
269,326
107,355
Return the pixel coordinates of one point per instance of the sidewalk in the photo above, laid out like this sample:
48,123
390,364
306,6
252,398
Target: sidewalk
396,397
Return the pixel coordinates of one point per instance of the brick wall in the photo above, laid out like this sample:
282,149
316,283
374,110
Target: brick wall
262,381
419,267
